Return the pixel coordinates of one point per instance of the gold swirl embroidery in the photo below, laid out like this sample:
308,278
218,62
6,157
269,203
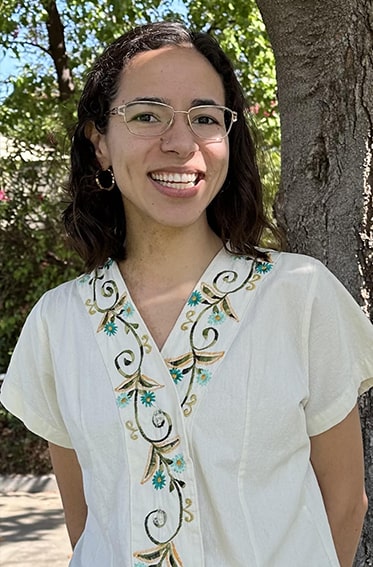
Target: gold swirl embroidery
189,320
192,401
251,284
188,516
89,303
145,342
133,430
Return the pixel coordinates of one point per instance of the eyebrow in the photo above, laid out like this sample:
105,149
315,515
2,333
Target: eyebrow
195,102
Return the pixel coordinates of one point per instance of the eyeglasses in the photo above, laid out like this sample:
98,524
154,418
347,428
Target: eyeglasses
151,119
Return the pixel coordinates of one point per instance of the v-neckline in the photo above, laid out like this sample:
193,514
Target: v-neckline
205,275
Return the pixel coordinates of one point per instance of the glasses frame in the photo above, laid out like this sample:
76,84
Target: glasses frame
121,110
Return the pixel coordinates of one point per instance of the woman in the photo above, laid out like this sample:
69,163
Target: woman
198,392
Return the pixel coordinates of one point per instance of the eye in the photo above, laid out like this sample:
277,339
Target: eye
144,117
205,119
207,116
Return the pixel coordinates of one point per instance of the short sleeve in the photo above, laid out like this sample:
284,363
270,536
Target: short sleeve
29,390
340,351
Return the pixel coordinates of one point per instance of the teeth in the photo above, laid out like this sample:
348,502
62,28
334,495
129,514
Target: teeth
171,178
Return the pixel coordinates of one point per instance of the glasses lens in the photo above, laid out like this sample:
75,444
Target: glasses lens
147,118
210,122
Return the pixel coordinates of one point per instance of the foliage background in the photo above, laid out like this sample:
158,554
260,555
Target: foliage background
53,45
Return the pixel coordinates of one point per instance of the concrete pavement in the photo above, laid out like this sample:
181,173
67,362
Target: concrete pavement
33,532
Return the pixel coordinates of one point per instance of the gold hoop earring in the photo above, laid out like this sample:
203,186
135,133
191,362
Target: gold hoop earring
105,179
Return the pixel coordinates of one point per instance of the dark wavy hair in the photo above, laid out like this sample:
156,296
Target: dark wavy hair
95,219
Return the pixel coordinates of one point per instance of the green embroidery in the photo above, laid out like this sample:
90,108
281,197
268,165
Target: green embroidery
218,309
162,554
162,466
213,310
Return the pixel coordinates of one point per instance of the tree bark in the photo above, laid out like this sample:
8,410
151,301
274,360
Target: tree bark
324,64
57,50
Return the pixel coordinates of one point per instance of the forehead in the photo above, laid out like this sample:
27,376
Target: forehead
172,72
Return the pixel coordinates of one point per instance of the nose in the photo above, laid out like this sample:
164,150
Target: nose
179,137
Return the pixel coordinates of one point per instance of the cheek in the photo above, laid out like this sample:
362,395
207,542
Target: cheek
216,152
222,160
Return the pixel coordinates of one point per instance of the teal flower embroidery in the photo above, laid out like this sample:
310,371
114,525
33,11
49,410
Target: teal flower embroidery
127,309
84,278
176,375
123,400
159,480
178,464
263,267
110,328
195,298
217,317
148,399
203,376
138,564
109,262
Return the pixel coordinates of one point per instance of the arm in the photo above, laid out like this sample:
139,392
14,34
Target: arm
69,479
338,462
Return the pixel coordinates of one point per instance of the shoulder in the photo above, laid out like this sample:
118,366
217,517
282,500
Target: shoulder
294,262
55,303
68,300
298,277
293,268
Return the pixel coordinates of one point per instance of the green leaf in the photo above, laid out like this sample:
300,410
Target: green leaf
167,446
180,361
151,466
210,292
148,383
228,309
208,357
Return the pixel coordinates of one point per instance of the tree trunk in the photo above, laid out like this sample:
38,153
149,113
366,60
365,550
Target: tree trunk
324,62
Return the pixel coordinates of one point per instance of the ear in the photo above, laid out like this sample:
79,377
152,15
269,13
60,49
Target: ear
99,143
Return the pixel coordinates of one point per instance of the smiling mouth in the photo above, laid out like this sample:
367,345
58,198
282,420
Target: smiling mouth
176,180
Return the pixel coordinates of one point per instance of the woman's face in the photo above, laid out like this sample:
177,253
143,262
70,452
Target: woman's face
166,180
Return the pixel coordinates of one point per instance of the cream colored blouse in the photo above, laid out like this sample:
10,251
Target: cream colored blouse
197,455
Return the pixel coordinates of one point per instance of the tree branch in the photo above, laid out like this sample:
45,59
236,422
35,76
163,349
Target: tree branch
57,49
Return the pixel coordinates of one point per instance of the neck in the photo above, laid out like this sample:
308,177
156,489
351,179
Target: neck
167,254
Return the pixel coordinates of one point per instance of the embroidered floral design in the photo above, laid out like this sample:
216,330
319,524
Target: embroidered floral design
163,554
203,376
109,262
110,328
217,317
165,463
188,515
216,309
189,316
159,480
134,431
148,399
195,298
140,390
176,374
128,309
123,400
84,278
263,267
178,464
